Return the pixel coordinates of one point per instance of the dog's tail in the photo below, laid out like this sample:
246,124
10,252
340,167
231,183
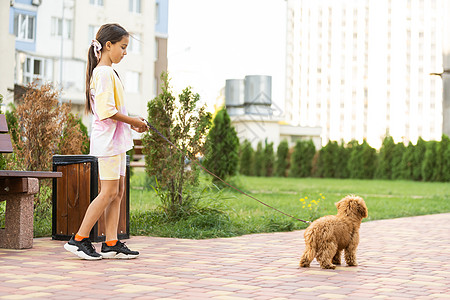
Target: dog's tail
310,246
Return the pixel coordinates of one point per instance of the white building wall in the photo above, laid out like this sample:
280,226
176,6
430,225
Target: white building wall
135,70
360,69
7,55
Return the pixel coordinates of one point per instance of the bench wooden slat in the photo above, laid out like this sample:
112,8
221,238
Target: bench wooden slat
5,143
13,185
3,124
29,174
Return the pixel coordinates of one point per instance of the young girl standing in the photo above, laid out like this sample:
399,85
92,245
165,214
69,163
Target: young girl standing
110,139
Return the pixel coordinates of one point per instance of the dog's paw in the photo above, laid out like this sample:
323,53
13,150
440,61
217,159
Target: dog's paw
303,265
332,267
337,262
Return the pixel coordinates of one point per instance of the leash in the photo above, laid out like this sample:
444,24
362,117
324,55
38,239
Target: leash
211,173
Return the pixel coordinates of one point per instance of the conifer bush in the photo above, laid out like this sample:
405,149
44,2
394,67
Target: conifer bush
282,163
396,163
301,159
258,160
268,163
222,146
429,161
384,168
246,158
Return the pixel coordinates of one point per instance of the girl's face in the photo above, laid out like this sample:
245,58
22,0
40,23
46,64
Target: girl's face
118,50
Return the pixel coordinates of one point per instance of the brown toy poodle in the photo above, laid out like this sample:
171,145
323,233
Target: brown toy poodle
326,237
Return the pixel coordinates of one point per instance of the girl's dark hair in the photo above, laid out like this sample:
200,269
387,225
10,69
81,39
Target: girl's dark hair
107,32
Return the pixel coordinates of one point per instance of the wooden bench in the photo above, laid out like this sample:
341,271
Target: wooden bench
138,156
18,188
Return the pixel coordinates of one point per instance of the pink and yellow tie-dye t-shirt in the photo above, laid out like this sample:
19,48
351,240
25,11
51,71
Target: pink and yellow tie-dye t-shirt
108,137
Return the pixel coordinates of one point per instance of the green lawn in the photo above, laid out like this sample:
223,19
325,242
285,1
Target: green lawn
384,199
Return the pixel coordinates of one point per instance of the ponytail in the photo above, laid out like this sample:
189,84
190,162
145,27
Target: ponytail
108,32
92,62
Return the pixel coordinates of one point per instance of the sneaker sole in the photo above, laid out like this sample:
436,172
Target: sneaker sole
115,255
80,254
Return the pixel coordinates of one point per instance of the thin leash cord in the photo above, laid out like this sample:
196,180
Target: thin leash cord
211,173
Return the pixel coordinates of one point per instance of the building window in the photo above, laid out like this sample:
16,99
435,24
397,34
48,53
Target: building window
135,44
156,49
132,82
24,27
135,6
57,28
156,12
96,2
33,70
92,31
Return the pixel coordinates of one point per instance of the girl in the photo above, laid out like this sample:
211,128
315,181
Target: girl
110,139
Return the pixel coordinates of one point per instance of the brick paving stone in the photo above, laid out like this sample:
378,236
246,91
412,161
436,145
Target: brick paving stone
398,259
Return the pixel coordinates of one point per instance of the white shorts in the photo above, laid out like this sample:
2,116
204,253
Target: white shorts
112,167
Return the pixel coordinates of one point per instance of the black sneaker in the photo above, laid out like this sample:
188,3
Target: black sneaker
119,250
82,249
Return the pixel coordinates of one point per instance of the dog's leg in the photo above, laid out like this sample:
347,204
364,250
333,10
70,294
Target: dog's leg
350,251
325,255
337,258
307,257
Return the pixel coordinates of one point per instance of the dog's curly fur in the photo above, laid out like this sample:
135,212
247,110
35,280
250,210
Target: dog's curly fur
326,237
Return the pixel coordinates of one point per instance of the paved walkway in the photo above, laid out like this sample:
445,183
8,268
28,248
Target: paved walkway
406,258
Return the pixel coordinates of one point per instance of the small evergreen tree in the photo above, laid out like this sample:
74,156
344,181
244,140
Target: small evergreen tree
258,160
184,125
419,155
268,160
301,160
407,162
327,160
445,152
246,159
340,159
397,155
429,162
308,149
384,168
222,145
296,157
362,162
282,162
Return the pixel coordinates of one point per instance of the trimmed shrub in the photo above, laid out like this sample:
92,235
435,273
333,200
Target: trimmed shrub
282,163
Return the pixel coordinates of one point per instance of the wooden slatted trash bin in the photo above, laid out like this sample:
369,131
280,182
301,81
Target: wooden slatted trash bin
75,190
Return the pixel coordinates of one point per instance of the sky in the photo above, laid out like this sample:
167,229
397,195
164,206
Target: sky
214,40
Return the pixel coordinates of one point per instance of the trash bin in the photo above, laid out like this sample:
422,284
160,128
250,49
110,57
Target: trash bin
74,191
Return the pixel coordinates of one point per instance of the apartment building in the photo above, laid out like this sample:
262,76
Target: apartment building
52,38
360,69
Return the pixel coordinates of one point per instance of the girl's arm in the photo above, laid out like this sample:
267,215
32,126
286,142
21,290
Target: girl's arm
137,123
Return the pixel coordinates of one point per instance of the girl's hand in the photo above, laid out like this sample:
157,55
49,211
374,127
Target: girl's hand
139,125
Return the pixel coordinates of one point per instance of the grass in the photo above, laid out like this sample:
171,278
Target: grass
236,214
228,213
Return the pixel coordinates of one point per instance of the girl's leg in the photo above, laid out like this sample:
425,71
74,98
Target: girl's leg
112,213
108,192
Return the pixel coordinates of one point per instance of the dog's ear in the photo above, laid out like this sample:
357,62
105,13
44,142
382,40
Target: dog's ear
362,210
